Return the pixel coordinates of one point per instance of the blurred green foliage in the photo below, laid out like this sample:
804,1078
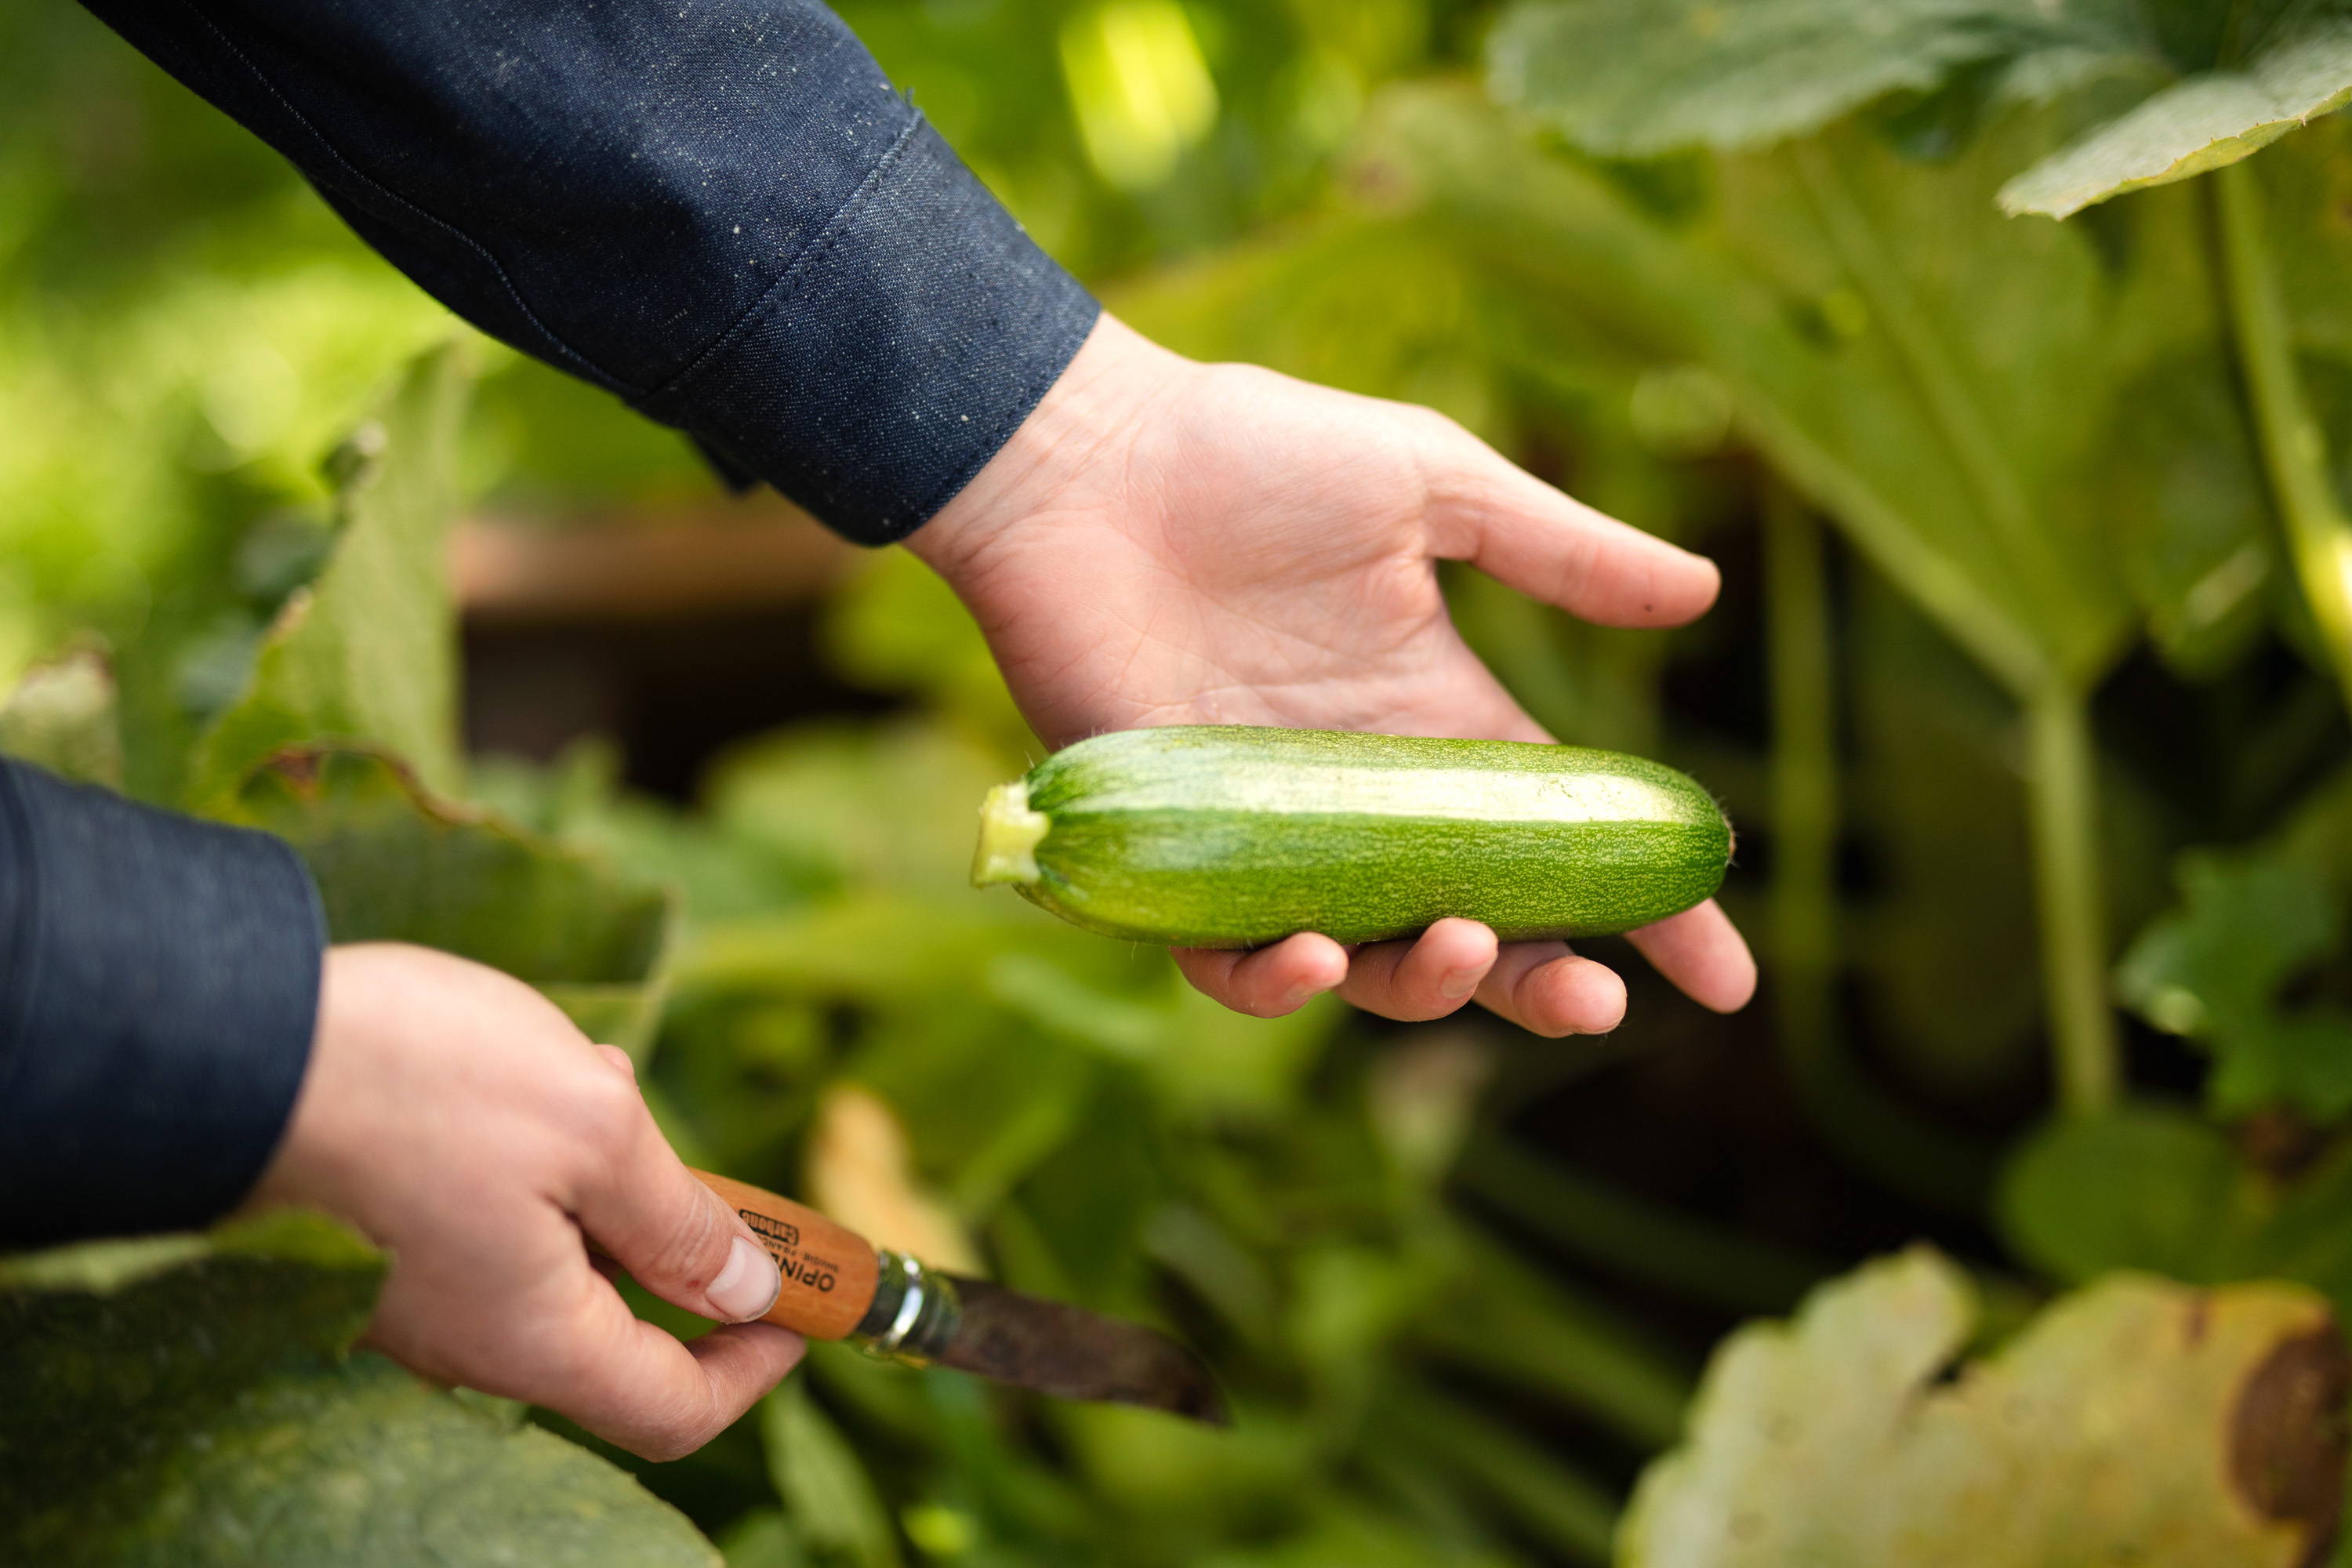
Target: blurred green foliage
1730,272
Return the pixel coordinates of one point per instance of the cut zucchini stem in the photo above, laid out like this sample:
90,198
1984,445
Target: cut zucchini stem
1009,836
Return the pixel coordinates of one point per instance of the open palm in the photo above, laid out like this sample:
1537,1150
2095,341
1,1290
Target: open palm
1166,542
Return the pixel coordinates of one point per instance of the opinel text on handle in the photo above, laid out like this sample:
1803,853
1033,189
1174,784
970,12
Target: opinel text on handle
830,1272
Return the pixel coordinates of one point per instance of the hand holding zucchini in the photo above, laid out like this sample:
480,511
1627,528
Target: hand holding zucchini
1229,835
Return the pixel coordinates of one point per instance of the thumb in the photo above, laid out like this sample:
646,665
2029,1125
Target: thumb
676,1237
1520,531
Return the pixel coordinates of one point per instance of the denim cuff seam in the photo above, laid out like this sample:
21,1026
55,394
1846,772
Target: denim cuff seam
676,387
1032,393
321,939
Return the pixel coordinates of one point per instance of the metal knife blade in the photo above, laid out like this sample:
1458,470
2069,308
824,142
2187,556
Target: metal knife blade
839,1286
1071,1353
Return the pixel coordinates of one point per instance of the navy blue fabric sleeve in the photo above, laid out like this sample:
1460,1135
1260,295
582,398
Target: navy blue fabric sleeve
719,210
158,985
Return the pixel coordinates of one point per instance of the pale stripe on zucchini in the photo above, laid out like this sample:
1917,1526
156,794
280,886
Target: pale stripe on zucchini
1229,835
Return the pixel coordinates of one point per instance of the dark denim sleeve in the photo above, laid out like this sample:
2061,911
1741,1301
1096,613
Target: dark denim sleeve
158,984
719,210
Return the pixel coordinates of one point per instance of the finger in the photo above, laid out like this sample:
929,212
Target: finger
1426,977
1267,982
1548,990
1704,955
1515,528
676,1237
635,1385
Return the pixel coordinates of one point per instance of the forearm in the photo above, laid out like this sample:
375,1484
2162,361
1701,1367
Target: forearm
158,984
722,212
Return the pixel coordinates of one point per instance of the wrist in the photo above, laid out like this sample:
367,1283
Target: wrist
311,1165
1083,427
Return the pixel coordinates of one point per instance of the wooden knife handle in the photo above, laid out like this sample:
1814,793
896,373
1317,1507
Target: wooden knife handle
830,1272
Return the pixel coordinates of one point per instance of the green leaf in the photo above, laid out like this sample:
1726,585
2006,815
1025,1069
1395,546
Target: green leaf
394,864
61,716
189,1400
578,799
368,652
2151,1188
828,1498
2133,1422
1934,378
2214,118
1626,78
1635,78
2212,971
876,948
2192,513
2140,1187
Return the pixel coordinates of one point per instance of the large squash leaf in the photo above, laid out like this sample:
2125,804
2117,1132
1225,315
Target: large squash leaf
1634,77
1969,369
393,863
368,651
2137,1421
2211,118
2213,83
188,1401
1933,377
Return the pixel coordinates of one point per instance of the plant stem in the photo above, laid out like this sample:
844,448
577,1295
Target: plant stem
2063,787
1528,1329
1561,1508
1602,1224
1870,1129
2294,453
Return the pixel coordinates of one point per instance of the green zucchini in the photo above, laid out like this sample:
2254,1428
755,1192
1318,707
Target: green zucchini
1229,835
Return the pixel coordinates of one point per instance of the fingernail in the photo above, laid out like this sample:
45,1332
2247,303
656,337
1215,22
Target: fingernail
748,1285
1456,984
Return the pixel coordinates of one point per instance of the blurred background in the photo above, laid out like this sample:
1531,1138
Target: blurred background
1461,1281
